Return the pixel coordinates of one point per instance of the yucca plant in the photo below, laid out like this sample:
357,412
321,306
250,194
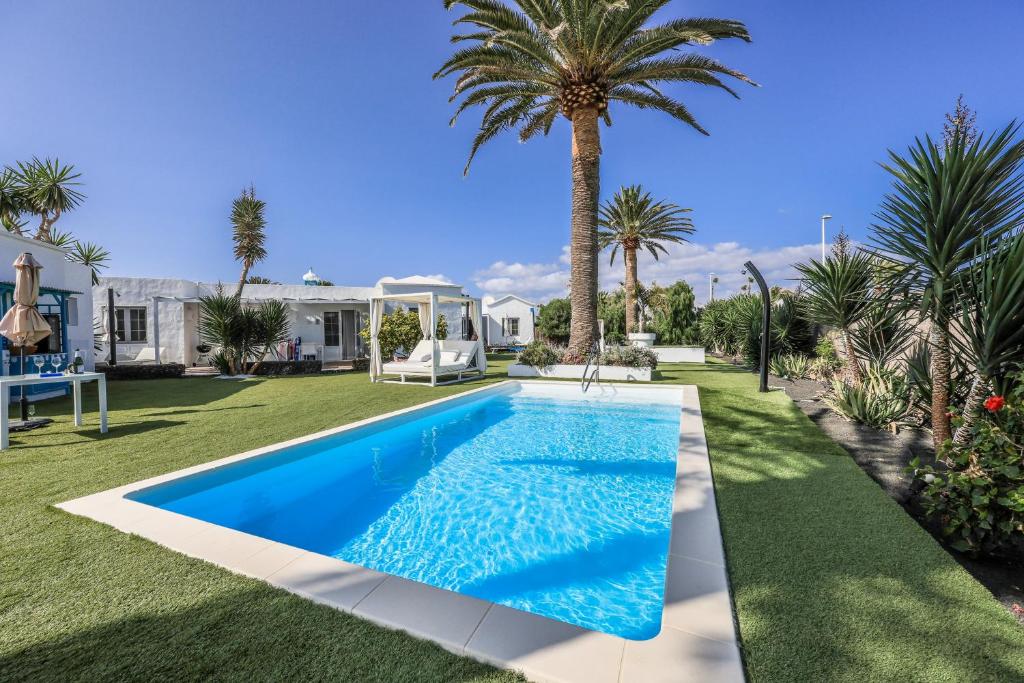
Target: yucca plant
48,189
885,331
530,62
837,293
919,377
947,199
633,220
248,232
990,327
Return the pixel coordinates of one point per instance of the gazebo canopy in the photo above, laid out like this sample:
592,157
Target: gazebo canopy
427,304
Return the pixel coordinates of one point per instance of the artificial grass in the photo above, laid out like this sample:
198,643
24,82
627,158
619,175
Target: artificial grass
832,580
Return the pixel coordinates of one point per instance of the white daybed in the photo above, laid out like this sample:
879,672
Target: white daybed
432,358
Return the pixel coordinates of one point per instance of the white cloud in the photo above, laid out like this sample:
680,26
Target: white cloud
690,262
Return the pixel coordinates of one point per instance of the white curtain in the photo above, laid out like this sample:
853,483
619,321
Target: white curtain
423,311
475,315
376,365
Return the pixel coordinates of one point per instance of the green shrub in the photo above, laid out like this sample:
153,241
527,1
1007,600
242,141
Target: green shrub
398,329
979,497
826,348
537,354
128,372
630,357
881,400
824,369
790,366
553,321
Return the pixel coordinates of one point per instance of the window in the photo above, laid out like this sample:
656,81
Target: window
332,330
52,342
72,305
135,317
512,327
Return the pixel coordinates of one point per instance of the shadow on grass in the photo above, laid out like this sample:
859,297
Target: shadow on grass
249,633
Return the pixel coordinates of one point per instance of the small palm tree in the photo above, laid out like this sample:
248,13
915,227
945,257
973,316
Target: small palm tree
836,292
632,220
89,254
47,190
12,201
532,61
249,235
945,203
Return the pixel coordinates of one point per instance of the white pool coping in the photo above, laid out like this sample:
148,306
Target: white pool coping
697,641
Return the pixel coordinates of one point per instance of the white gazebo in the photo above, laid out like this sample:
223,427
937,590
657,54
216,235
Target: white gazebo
432,358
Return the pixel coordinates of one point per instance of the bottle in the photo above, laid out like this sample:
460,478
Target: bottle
77,363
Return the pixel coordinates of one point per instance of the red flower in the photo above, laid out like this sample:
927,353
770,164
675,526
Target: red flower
994,404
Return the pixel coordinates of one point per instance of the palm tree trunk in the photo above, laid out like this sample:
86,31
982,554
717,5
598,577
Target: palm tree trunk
583,248
241,280
629,254
851,359
979,387
940,384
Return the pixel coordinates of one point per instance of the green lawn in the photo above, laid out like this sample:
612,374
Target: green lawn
832,580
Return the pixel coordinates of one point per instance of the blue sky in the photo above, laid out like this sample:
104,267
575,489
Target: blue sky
328,108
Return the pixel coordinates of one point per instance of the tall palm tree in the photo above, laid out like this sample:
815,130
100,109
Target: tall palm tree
947,202
633,220
48,190
837,294
249,234
533,60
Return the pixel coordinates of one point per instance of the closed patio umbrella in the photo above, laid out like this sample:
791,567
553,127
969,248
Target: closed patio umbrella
23,324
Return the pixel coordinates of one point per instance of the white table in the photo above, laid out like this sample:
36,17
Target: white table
76,381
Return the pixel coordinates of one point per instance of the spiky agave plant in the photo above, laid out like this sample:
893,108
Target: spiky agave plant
532,61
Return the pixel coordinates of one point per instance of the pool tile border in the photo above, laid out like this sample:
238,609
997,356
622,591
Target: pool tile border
698,638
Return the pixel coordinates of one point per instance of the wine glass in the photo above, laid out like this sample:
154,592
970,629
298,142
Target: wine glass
39,361
57,360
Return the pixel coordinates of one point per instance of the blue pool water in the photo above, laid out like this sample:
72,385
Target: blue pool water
550,504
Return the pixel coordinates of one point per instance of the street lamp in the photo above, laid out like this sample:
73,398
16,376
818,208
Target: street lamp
712,279
823,219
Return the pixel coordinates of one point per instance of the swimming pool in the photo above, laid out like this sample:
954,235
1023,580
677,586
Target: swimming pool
533,496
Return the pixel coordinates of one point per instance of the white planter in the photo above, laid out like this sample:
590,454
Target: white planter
679,354
645,339
609,373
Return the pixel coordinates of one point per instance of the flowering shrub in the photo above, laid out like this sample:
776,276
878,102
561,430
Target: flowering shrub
979,497
539,355
630,357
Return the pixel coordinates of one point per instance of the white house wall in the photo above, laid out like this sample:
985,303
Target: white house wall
58,273
510,308
178,320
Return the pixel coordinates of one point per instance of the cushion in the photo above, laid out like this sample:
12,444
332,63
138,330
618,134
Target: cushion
449,357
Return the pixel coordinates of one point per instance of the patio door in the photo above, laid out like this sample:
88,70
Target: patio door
348,334
332,336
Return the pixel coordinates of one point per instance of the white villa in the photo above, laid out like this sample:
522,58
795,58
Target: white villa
509,321
157,319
